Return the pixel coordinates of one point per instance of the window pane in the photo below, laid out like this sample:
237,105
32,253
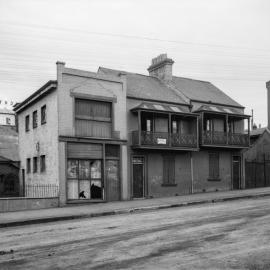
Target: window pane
96,169
84,169
96,190
72,169
112,150
72,189
84,192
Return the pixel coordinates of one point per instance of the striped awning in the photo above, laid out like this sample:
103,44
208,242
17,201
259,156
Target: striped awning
147,106
220,109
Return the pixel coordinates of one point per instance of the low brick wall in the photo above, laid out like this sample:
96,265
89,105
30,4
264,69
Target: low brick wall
21,203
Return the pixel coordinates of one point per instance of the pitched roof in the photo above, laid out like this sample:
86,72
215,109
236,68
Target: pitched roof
146,87
42,91
9,143
178,91
258,131
203,91
221,109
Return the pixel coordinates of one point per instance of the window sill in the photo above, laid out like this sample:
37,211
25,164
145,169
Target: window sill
214,179
168,185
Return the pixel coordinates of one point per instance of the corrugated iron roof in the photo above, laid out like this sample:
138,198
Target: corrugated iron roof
220,109
176,109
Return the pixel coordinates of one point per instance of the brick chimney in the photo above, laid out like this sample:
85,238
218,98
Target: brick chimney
161,67
268,103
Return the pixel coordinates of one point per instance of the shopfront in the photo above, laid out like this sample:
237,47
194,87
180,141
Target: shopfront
93,172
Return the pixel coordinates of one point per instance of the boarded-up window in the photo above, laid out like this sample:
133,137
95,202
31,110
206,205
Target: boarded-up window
43,115
213,165
93,118
168,170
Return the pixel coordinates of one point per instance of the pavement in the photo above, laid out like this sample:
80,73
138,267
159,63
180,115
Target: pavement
90,210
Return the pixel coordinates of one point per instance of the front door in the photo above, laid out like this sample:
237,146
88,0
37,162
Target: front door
236,167
138,177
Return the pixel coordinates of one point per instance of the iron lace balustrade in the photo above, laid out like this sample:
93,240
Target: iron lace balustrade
164,139
225,139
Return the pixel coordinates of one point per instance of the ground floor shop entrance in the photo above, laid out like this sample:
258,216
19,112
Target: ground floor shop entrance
93,172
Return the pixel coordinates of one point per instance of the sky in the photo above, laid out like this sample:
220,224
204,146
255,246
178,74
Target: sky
225,42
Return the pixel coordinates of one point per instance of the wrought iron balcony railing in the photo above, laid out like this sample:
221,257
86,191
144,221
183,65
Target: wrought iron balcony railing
164,139
225,139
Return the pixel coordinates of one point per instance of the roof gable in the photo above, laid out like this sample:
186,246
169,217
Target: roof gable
203,91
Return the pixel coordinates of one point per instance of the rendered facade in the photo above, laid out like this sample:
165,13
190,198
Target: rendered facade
116,135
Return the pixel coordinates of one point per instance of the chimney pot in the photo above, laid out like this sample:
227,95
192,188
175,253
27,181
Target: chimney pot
161,67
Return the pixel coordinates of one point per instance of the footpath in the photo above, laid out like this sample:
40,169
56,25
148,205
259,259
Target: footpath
91,210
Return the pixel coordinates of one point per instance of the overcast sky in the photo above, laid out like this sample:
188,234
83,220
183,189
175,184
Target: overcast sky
226,42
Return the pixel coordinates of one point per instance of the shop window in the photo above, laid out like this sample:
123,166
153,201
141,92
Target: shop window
93,118
27,122
213,166
168,170
84,179
112,151
35,119
35,164
43,115
42,163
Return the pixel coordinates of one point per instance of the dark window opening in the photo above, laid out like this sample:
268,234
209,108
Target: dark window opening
27,121
42,163
35,120
43,115
28,165
35,164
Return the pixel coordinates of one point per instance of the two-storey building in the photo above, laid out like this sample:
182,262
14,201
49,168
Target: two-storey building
115,135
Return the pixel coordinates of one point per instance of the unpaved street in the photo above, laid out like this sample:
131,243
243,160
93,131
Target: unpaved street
231,235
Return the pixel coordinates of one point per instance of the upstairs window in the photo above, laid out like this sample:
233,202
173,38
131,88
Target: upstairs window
28,165
43,115
27,122
214,166
93,118
35,120
42,163
8,121
35,164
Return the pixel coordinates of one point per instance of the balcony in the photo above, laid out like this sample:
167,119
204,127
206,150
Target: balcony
224,139
164,140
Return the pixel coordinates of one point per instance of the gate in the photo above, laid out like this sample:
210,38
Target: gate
257,173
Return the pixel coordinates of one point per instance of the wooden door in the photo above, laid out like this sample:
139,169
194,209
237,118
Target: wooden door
236,173
138,177
113,181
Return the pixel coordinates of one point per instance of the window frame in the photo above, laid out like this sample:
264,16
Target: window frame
89,118
214,173
27,122
35,164
28,165
42,163
43,114
35,119
169,180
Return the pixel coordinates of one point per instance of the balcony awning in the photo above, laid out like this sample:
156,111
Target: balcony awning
157,107
221,110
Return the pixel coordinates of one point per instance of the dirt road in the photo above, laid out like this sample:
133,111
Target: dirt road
230,235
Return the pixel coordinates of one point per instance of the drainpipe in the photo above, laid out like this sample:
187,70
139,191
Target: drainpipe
192,174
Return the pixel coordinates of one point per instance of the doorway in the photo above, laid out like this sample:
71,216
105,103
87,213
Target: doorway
138,177
236,172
